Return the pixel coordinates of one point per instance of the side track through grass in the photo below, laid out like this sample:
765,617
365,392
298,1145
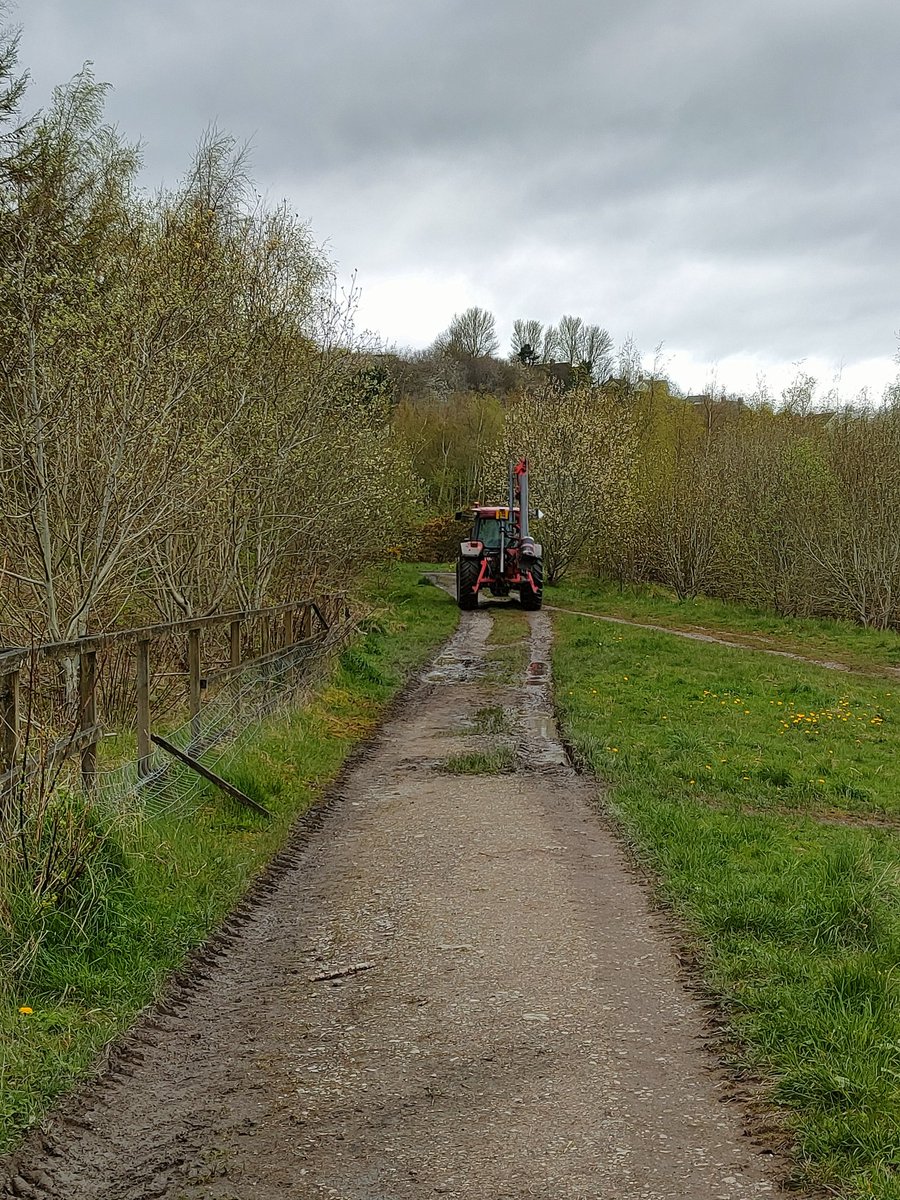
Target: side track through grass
821,638
158,887
765,795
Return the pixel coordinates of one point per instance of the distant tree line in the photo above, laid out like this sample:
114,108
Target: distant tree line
791,503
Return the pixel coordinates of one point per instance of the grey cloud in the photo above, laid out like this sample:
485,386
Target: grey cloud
721,177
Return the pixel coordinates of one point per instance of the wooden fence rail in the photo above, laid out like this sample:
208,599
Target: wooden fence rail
279,631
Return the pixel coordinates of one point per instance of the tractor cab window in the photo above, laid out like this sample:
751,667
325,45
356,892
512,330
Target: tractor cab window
487,530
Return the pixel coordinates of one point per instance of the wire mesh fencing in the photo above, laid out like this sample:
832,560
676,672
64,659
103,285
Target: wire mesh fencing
86,715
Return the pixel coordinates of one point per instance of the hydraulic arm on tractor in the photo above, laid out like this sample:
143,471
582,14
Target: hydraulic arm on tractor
500,554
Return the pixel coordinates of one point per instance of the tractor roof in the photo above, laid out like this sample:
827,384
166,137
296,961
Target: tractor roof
499,511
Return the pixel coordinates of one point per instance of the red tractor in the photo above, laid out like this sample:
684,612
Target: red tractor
500,554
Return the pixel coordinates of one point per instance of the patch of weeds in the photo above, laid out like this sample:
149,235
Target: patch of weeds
507,663
357,665
489,762
509,626
508,645
493,718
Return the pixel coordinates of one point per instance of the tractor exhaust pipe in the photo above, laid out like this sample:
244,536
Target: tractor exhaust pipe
523,501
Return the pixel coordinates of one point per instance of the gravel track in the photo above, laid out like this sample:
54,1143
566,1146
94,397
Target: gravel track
509,1021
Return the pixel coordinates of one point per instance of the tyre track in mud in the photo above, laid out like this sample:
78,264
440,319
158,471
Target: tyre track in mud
515,1026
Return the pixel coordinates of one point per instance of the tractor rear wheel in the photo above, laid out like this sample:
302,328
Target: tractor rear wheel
467,572
530,597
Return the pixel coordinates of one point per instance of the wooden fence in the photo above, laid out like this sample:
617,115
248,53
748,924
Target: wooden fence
270,635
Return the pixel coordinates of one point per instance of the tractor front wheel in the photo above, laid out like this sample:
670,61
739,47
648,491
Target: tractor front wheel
530,597
467,572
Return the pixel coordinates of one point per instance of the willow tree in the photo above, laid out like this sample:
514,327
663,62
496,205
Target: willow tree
85,460
296,476
579,445
855,542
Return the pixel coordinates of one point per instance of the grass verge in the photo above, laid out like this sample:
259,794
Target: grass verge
155,888
761,792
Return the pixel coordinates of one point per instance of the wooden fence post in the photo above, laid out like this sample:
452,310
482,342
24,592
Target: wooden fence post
288,635
235,658
9,730
87,703
194,682
234,645
142,697
306,622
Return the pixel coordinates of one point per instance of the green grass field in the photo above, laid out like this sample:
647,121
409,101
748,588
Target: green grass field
765,795
159,887
823,639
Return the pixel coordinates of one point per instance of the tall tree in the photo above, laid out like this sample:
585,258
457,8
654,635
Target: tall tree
580,452
472,333
527,340
550,345
595,352
570,339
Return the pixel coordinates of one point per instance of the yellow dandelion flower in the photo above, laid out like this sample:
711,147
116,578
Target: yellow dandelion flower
26,1010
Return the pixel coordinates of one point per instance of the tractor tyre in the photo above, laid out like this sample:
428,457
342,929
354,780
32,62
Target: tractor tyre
467,572
530,597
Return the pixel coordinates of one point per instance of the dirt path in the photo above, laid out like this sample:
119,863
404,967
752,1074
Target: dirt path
517,1029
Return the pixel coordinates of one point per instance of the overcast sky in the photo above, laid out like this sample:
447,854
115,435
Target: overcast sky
719,177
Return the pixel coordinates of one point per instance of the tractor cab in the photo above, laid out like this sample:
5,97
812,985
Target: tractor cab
488,527
487,531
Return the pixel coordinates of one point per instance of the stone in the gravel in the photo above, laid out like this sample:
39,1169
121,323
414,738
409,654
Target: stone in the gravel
535,1017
